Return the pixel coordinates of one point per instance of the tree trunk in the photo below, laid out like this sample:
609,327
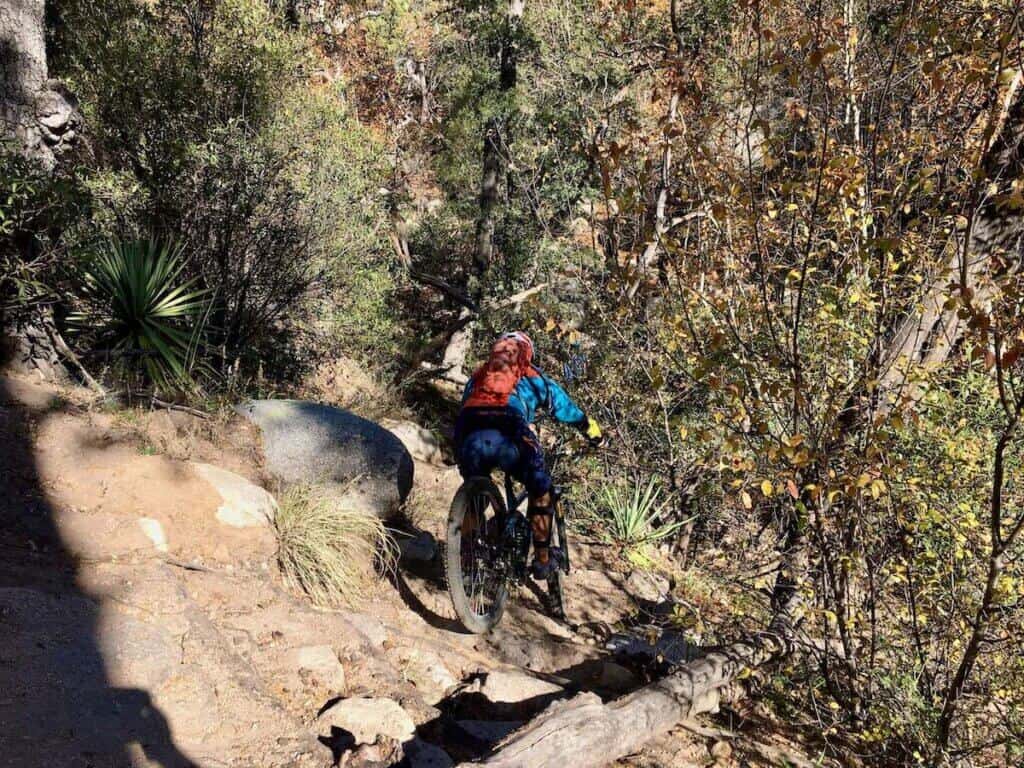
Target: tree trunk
594,734
493,168
659,225
483,253
929,332
39,119
38,113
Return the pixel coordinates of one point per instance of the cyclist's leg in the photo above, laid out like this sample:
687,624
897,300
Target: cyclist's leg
533,473
479,452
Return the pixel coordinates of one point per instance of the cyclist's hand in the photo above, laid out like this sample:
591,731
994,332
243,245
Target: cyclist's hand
593,433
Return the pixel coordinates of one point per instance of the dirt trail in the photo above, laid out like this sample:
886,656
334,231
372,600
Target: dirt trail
146,624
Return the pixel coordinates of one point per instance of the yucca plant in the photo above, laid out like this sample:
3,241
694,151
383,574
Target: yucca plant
142,311
635,513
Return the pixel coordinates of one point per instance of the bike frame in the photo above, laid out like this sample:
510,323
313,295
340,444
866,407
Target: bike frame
513,501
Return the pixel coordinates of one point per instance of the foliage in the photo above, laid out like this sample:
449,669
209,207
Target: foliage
635,514
769,241
204,129
38,210
140,310
739,210
330,550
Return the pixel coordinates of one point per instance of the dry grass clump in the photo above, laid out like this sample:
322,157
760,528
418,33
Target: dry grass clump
329,550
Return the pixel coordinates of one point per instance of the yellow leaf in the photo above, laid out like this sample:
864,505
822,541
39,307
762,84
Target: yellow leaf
766,488
747,501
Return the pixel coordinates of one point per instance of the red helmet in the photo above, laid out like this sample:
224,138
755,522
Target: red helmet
524,341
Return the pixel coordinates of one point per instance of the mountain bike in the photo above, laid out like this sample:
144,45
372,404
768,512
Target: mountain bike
488,548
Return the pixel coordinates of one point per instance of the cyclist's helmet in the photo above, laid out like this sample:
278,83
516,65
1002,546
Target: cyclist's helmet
524,341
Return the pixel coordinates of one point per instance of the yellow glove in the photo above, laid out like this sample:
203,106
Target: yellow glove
593,432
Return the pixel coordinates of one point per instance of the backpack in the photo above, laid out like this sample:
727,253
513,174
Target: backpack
496,380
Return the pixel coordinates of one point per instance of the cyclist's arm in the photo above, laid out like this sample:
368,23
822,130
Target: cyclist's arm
563,407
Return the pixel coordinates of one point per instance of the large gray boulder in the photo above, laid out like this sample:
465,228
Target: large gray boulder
307,442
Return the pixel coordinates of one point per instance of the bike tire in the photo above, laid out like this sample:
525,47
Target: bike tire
556,581
475,488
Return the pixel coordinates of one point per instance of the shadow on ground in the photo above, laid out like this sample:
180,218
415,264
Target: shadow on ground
58,705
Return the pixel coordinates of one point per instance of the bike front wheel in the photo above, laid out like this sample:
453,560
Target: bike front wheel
478,589
556,583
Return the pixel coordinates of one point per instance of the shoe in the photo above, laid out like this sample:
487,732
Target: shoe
556,562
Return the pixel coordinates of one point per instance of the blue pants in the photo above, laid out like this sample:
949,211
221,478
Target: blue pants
498,438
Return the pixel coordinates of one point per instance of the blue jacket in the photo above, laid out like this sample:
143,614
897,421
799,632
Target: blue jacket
535,390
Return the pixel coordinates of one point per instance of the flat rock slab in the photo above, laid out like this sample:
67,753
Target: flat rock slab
77,680
420,442
426,670
307,442
505,696
368,719
321,664
244,504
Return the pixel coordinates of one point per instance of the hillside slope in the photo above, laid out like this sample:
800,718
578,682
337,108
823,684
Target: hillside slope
147,627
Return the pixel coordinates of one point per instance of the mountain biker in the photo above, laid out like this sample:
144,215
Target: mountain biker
493,429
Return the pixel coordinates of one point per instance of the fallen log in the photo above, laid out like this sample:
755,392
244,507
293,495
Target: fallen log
586,733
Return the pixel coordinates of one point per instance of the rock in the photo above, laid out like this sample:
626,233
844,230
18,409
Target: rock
420,548
427,672
512,694
514,687
155,532
721,751
420,442
617,678
322,662
70,687
646,586
670,647
137,654
423,754
245,504
369,755
54,111
307,442
371,628
368,719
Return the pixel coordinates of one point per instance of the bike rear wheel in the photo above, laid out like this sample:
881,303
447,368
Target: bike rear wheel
478,590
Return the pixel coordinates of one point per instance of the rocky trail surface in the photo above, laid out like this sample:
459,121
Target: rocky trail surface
145,623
